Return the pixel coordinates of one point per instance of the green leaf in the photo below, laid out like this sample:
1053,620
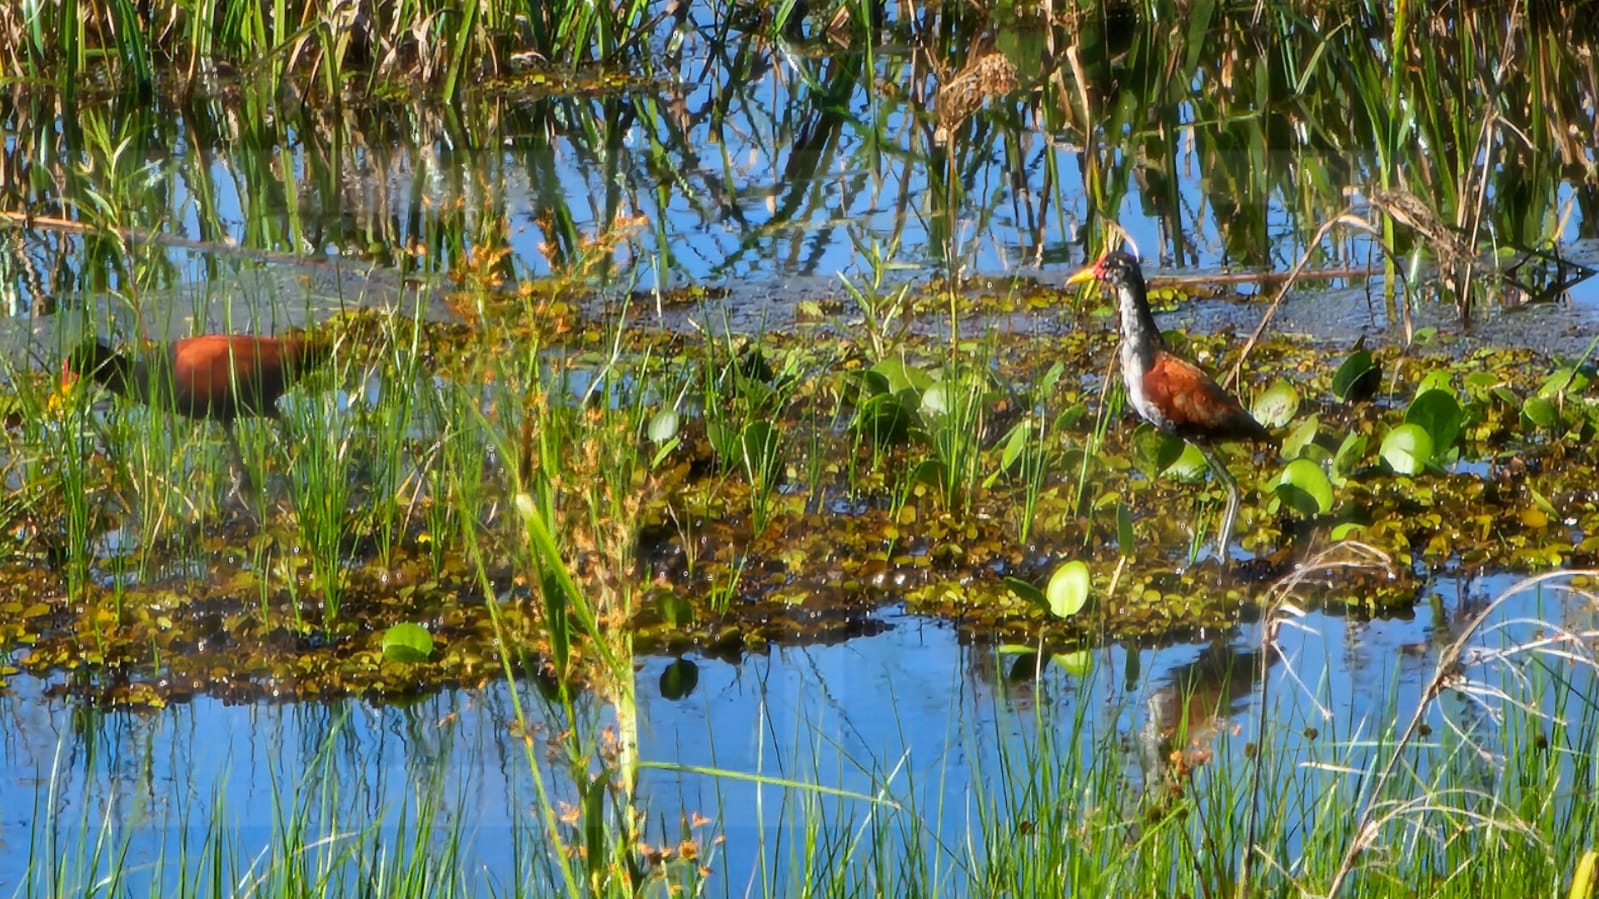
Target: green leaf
1190,466
1051,378
1303,487
1563,381
1439,413
763,450
935,401
1077,663
1124,529
1028,592
663,426
723,438
1158,449
1068,589
883,418
1302,436
894,375
1358,378
407,642
1407,449
1016,443
1540,412
1277,406
1437,379
1350,453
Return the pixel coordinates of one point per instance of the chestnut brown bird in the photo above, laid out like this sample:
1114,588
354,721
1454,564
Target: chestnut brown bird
218,377
1170,392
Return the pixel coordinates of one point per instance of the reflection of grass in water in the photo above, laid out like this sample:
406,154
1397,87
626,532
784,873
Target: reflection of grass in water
1478,783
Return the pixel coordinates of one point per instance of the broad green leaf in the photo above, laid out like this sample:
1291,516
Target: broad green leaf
1277,406
1350,453
407,642
1029,593
1302,436
1407,449
1563,381
1068,589
663,426
1016,443
1358,379
1304,487
1437,379
763,451
1190,466
897,374
1051,378
1439,413
1540,412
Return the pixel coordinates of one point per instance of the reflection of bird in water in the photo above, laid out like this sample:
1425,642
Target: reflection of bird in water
1196,703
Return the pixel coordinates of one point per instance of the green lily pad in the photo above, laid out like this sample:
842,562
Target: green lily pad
1276,407
1067,590
1190,466
663,426
1358,378
1303,487
1540,412
1439,413
1302,436
407,642
1407,449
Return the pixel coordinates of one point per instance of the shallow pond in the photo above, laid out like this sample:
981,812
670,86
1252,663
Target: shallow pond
744,199
921,728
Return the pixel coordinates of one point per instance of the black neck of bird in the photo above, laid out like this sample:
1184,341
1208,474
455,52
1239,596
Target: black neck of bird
109,367
1138,324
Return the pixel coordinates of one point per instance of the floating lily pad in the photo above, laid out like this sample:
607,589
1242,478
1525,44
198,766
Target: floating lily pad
407,642
1407,449
1190,466
1303,487
1068,589
1358,378
1301,437
1277,406
1439,413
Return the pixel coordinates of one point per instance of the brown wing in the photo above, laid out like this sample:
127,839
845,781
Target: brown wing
1196,406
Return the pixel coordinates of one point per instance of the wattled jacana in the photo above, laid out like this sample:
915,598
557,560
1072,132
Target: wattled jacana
1172,393
219,377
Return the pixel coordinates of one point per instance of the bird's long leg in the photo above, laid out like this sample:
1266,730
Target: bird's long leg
241,488
1224,539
